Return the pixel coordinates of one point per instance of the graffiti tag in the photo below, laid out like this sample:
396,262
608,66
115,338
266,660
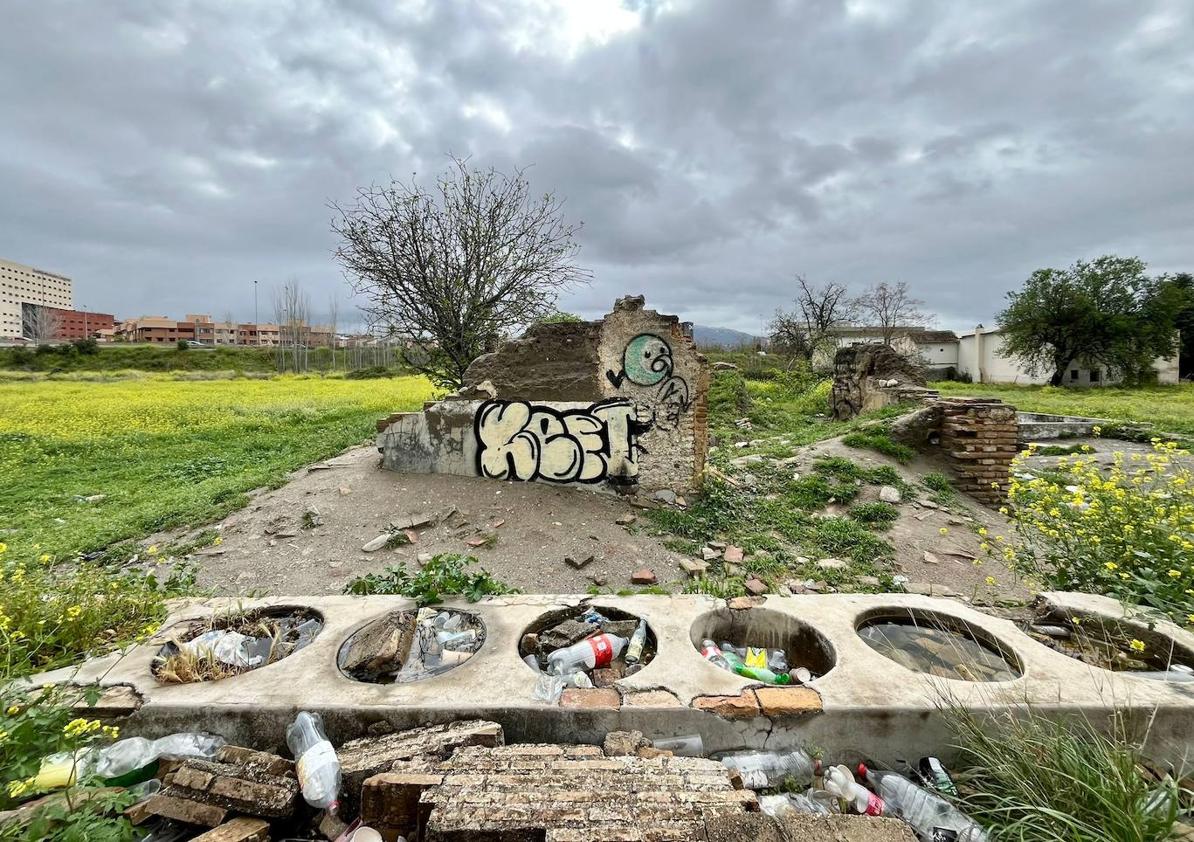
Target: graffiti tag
647,362
524,441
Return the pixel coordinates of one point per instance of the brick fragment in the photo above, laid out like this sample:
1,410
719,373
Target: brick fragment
240,829
743,706
595,699
186,811
788,701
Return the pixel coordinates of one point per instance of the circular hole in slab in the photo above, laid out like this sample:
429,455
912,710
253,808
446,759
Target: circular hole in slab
806,653
1114,644
233,642
405,646
557,630
938,644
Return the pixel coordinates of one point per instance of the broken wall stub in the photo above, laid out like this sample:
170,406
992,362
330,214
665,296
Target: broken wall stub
621,402
871,376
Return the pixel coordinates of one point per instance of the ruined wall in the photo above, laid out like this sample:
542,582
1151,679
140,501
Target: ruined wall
872,376
620,402
980,438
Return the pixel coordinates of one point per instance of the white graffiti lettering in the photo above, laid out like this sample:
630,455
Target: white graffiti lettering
524,441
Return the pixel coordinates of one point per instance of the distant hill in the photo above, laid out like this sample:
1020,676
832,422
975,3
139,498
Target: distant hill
722,337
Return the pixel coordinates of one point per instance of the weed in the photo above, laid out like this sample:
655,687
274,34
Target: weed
726,587
396,540
880,442
877,515
445,575
812,493
1037,780
839,536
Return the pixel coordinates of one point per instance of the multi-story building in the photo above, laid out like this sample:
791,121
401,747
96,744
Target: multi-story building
24,289
82,324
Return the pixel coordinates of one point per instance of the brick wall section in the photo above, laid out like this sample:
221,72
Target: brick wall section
979,437
572,793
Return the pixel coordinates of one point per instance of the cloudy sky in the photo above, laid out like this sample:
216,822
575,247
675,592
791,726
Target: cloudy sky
166,155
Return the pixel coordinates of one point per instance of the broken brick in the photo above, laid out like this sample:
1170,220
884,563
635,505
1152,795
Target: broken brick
788,701
742,706
240,829
591,699
186,811
390,801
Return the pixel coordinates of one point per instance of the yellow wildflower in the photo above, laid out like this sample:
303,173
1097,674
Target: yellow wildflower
1137,645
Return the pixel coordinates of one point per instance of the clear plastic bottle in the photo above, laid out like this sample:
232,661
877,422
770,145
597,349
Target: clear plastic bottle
841,784
777,660
590,653
634,651
769,769
930,816
316,763
713,655
690,745
228,647
116,762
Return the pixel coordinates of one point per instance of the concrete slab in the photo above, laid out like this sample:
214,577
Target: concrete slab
869,705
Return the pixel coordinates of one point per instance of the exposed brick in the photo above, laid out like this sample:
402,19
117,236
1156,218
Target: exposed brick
241,829
390,800
743,706
788,701
186,811
595,699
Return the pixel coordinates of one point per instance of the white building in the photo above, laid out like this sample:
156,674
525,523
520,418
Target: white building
980,355
937,349
20,284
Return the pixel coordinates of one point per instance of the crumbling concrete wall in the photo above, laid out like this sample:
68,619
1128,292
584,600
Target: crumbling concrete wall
621,402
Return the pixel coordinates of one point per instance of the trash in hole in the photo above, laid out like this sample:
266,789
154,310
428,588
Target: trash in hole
232,644
404,646
584,648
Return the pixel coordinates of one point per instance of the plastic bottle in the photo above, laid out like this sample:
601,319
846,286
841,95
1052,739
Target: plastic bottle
777,660
316,763
713,655
133,760
227,647
769,769
590,653
932,817
454,641
634,651
840,783
813,802
688,746
932,771
532,662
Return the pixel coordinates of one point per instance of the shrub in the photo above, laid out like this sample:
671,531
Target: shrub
1127,532
881,442
182,345
445,575
1036,780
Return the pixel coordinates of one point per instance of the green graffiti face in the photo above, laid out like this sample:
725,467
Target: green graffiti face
647,360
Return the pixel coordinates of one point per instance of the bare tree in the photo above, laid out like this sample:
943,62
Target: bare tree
229,324
890,307
333,322
40,324
809,326
292,308
453,269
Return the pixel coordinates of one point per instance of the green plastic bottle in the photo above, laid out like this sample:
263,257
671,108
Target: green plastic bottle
757,673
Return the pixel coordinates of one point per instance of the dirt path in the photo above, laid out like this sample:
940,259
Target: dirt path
266,547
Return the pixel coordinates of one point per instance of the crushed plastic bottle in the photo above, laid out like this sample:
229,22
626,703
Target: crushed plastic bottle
634,651
590,653
777,660
769,769
229,647
690,745
713,654
932,818
840,783
815,802
316,763
132,760
532,662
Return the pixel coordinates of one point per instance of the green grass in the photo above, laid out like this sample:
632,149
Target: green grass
880,442
1167,408
119,357
165,453
1035,780
877,515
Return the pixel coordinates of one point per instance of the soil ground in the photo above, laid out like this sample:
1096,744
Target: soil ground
266,549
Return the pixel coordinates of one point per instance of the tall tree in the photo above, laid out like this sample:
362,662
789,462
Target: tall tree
808,327
40,324
1105,312
1183,284
890,307
454,269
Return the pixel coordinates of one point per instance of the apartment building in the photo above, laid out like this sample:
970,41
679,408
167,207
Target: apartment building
25,288
82,324
200,327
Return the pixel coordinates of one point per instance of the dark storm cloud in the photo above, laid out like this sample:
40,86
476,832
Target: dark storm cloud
167,156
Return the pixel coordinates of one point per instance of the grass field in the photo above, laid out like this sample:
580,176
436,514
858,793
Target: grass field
164,452
121,357
1169,409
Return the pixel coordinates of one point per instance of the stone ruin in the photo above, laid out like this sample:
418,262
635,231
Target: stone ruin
978,437
871,376
619,403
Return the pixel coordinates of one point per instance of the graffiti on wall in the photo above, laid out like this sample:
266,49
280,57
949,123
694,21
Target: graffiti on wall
525,441
647,362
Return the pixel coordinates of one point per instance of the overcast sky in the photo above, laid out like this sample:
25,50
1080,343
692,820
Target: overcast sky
166,155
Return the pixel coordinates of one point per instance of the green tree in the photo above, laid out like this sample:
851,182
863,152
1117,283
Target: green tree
1104,312
1183,283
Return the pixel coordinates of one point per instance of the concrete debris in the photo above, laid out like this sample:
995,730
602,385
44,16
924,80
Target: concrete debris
312,517
562,635
184,810
665,495
415,521
378,645
694,568
377,543
624,743
710,554
833,564
890,494
930,558
240,829
579,564
734,555
756,587
626,520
